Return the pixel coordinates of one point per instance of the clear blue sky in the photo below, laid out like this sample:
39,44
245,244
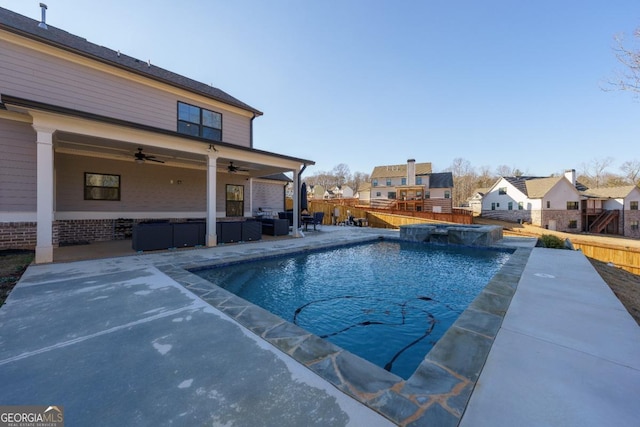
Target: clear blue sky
372,82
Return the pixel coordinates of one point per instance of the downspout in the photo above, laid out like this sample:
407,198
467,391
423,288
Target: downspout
251,130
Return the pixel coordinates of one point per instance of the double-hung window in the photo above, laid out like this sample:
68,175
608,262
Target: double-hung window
199,122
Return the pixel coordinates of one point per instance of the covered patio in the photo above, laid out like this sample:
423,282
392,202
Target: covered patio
154,174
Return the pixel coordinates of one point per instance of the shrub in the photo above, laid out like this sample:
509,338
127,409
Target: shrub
551,241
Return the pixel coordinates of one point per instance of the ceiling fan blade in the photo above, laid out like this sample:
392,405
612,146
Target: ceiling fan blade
153,159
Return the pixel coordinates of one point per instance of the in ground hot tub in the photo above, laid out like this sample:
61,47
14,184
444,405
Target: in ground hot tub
453,234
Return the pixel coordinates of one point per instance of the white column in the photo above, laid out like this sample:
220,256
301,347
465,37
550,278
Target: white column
296,204
212,239
44,188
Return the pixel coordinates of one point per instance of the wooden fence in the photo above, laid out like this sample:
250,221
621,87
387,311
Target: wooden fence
626,258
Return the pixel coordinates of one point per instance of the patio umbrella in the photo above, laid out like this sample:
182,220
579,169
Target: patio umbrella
303,197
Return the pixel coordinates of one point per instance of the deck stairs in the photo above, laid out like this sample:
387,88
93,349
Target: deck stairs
603,220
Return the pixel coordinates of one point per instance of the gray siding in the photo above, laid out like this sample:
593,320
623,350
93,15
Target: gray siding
46,78
144,187
18,154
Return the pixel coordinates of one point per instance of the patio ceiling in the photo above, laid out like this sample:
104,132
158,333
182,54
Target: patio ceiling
83,145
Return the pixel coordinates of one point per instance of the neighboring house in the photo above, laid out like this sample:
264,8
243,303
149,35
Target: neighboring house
364,193
411,187
475,201
561,203
315,191
90,136
612,210
339,192
549,202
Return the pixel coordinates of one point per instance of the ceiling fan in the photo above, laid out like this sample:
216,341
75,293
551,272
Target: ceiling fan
141,157
232,168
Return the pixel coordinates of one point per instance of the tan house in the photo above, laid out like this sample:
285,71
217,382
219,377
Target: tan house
93,139
412,187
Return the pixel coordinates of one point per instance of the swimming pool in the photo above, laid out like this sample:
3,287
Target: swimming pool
388,302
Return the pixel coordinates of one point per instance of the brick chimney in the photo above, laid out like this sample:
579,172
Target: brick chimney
411,172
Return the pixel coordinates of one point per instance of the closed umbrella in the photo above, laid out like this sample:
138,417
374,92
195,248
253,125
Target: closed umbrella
303,197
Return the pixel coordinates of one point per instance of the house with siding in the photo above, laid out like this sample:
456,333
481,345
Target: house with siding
612,210
548,202
561,203
411,186
91,136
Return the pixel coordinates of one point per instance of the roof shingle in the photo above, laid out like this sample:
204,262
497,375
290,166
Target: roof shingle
28,27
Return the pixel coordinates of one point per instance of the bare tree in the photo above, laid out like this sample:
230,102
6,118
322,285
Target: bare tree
357,180
464,180
485,177
341,173
631,170
504,170
594,173
629,57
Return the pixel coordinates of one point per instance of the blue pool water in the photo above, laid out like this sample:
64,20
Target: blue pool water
388,302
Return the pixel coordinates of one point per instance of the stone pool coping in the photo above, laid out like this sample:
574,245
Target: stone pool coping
438,391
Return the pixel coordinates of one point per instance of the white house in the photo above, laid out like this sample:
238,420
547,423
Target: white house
549,202
613,210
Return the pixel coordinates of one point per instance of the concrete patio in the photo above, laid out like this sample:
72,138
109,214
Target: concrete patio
118,341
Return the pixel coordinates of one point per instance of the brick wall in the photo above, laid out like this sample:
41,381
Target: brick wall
18,235
628,217
562,218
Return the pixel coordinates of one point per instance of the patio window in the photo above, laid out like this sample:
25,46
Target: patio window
634,225
235,200
447,194
99,186
427,194
573,223
196,121
378,194
633,206
391,195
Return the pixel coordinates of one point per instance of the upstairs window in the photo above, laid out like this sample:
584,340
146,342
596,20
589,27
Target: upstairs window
502,190
447,194
572,206
196,121
633,206
404,181
388,182
520,206
375,182
418,180
548,204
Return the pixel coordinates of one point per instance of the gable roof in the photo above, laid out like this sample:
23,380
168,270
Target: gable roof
441,180
27,27
610,192
399,171
536,187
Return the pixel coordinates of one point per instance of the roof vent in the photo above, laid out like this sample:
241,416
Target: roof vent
43,23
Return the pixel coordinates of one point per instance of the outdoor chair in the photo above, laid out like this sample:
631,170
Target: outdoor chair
316,219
